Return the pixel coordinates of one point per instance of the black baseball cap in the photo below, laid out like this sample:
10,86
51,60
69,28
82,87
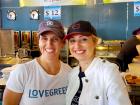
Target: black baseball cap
82,27
53,26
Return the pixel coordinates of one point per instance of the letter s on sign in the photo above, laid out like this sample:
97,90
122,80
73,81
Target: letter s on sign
137,8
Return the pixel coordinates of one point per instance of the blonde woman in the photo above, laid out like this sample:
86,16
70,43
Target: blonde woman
94,81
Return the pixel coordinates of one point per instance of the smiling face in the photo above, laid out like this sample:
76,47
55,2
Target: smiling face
82,47
50,45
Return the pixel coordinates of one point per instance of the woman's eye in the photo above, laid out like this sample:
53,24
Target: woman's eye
55,39
72,40
84,39
43,38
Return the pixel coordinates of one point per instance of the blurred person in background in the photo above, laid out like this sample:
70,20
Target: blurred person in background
42,81
128,51
94,81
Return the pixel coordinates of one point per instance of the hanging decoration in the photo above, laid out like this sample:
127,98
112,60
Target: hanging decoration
34,14
11,15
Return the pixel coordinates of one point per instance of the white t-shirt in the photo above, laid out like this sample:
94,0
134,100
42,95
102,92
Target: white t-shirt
38,87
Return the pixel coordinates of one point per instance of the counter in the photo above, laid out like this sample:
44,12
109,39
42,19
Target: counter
132,88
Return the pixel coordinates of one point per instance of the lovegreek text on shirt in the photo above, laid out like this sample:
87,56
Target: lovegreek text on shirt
34,93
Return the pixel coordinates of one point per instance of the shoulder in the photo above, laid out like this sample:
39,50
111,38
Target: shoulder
101,61
107,66
65,66
31,63
131,41
24,67
110,71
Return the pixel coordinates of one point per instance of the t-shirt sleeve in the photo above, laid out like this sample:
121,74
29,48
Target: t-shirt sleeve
17,79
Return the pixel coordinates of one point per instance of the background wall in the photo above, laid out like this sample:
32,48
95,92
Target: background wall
110,20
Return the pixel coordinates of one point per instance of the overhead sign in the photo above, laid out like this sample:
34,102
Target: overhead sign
136,8
52,12
117,1
51,2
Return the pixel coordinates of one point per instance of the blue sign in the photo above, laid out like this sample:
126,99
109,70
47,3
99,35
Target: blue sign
52,12
137,8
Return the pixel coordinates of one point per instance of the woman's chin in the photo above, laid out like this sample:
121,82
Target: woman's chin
80,59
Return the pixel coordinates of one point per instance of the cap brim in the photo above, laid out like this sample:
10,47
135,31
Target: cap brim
58,33
68,36
46,30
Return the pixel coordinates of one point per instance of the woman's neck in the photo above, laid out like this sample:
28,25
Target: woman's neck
85,64
50,66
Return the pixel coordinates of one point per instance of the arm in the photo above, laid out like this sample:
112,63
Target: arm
11,98
116,90
15,86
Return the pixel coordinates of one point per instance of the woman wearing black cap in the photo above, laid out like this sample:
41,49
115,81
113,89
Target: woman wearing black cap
94,81
128,51
42,81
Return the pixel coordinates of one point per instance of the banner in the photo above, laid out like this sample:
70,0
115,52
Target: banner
117,1
51,2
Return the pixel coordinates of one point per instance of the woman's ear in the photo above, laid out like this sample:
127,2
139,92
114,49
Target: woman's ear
99,40
95,40
138,36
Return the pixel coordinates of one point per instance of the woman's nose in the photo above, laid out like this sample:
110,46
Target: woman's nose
49,42
77,44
